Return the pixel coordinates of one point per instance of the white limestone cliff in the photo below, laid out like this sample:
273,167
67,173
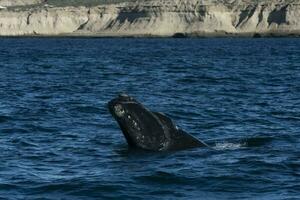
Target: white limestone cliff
157,18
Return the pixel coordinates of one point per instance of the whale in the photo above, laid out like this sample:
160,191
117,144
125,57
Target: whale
148,130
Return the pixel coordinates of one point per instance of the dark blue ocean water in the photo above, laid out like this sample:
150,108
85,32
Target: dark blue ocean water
58,140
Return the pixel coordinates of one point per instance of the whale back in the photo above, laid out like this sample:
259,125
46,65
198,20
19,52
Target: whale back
177,138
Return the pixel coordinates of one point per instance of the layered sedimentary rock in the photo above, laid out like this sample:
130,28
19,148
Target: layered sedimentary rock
157,18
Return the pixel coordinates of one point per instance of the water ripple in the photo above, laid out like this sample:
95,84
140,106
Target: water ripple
58,140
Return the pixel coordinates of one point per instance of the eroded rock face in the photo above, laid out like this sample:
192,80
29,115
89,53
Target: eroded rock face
158,18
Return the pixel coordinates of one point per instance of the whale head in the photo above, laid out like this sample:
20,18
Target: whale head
140,126
149,130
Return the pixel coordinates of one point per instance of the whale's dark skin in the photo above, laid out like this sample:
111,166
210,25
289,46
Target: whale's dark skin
149,130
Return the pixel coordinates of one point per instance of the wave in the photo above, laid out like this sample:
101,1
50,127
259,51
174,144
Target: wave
88,109
4,119
243,143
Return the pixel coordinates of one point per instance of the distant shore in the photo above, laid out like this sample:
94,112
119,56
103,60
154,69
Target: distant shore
176,35
178,18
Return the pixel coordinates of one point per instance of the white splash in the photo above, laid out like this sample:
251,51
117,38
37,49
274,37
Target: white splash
228,146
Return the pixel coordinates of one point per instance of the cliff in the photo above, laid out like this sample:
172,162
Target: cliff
157,18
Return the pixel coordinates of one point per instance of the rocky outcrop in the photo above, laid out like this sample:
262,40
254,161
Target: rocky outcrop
157,18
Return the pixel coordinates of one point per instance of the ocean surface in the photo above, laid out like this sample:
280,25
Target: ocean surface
58,140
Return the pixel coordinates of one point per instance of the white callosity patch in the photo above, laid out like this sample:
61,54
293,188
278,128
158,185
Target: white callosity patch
119,110
133,122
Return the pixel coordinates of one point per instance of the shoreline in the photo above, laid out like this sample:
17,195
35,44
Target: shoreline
176,35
